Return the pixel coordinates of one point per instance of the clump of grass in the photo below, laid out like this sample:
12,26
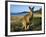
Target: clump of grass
37,24
16,27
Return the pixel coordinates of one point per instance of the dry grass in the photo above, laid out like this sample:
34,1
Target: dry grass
16,24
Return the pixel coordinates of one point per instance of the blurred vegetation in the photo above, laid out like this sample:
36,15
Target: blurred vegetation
16,26
37,25
38,11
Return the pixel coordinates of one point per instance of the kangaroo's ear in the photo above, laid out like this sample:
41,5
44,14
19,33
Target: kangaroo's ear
30,8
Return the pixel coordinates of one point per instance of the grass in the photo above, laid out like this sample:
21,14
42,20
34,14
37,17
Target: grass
37,24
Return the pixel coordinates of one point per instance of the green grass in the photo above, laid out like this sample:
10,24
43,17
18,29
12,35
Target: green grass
37,24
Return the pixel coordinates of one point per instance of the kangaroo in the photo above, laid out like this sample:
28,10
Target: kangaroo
26,19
